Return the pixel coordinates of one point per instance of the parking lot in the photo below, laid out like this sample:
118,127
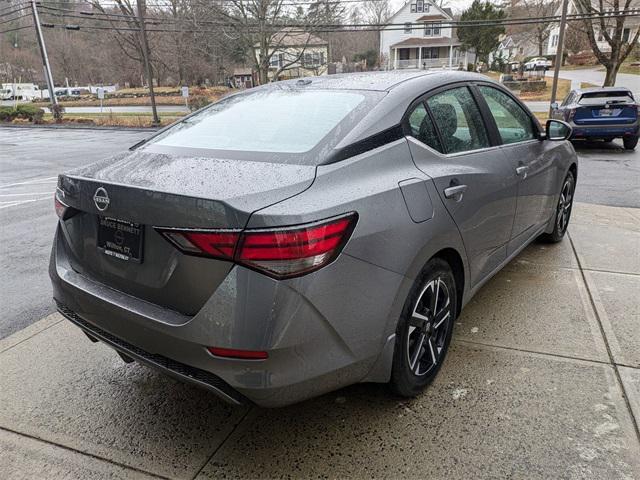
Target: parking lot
542,380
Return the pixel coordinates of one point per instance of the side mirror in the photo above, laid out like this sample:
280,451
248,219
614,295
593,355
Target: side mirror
557,130
554,106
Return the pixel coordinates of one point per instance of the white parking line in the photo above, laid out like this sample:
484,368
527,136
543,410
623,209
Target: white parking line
16,203
24,194
29,182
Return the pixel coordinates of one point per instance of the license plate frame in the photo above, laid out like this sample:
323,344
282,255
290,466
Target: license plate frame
120,239
605,112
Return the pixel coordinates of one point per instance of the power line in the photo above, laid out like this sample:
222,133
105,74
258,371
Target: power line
16,10
15,18
442,24
334,29
311,28
15,29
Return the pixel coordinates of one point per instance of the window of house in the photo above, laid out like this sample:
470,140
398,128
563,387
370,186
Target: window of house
407,27
313,59
422,128
459,121
277,60
626,33
432,29
420,6
554,41
513,123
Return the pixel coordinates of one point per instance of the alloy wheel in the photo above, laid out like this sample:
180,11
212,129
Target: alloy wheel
564,205
428,327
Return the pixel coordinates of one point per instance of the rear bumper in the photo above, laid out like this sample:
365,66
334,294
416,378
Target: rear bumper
603,131
175,369
308,326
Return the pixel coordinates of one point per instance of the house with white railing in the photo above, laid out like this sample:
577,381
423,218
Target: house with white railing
417,36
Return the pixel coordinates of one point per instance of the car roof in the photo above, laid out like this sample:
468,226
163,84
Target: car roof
379,81
601,89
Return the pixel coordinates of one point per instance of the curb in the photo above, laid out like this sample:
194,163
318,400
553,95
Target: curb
81,127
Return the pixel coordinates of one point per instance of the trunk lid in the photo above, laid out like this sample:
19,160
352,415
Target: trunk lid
146,190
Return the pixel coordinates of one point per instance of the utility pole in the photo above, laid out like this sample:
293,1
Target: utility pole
43,51
559,52
147,63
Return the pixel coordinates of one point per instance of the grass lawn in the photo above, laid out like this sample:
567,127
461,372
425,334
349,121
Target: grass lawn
138,120
564,86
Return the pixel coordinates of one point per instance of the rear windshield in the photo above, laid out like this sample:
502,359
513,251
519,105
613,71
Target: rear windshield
286,121
594,98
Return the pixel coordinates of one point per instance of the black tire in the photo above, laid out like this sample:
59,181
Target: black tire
563,210
630,142
420,334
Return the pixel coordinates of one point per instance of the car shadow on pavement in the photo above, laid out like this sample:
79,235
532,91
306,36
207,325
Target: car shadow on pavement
600,146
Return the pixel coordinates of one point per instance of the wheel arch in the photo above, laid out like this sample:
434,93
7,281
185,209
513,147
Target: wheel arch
454,260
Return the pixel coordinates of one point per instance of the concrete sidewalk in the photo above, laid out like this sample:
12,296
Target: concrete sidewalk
542,381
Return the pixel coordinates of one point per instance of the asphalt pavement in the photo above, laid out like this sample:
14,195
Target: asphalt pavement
30,160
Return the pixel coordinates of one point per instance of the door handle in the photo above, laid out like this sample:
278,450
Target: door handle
521,171
455,192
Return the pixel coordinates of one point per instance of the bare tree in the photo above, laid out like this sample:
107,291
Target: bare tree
609,29
376,11
538,32
257,27
575,39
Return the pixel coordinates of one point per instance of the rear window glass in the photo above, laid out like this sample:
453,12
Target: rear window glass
605,96
286,121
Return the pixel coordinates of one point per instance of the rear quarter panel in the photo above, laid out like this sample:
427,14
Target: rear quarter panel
385,237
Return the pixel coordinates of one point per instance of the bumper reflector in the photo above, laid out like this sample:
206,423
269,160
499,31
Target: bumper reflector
241,354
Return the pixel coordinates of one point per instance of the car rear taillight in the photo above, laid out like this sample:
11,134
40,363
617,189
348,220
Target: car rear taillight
278,252
63,210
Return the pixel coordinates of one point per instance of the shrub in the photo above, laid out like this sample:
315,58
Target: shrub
198,101
29,112
57,111
6,114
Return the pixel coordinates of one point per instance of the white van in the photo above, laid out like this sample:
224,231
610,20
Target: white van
19,91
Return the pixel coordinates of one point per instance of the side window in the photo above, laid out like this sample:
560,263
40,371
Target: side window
422,127
459,121
514,124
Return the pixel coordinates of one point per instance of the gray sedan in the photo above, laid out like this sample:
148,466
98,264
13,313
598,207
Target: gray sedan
302,236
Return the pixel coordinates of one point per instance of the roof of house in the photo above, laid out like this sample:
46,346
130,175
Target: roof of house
242,71
437,16
289,37
426,42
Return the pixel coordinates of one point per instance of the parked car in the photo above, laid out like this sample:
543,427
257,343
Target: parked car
305,235
601,113
538,63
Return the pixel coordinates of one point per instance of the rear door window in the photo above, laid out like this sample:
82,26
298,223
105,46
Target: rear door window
514,124
422,127
458,120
